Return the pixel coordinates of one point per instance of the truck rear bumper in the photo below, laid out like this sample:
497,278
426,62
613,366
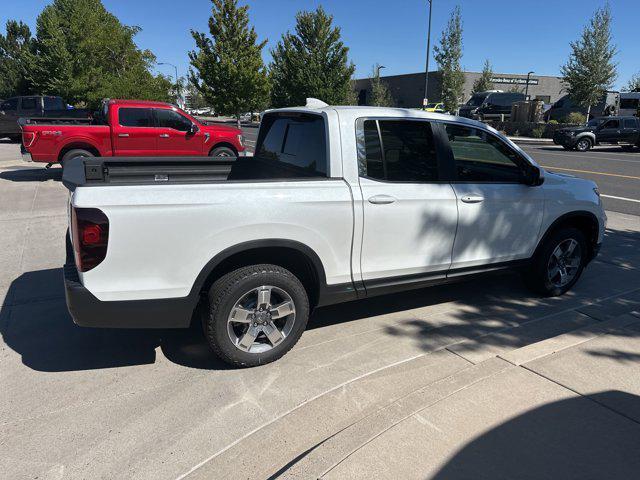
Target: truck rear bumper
88,311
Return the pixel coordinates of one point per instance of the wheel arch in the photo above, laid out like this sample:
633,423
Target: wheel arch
583,220
78,145
224,144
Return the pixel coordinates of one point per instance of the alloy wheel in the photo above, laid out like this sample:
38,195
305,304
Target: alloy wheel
564,263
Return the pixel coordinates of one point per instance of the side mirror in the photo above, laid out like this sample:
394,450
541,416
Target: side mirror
533,176
193,129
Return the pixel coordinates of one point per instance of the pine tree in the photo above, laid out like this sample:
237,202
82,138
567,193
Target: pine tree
634,83
484,83
85,54
448,55
380,95
312,62
590,70
15,47
227,66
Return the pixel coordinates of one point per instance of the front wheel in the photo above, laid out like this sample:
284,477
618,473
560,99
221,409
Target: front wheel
256,314
583,144
223,152
559,262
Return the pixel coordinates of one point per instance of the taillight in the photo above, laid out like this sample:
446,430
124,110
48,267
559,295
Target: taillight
28,138
90,230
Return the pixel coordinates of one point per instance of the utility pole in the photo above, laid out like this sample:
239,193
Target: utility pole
526,88
177,87
426,73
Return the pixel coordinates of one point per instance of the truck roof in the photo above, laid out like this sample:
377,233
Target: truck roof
139,103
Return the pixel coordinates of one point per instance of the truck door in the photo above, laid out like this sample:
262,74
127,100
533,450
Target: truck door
410,216
499,215
176,135
133,133
630,131
609,132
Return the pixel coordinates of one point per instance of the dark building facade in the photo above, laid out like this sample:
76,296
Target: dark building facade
408,90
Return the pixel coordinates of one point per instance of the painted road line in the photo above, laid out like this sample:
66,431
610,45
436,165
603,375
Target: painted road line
620,198
588,157
549,167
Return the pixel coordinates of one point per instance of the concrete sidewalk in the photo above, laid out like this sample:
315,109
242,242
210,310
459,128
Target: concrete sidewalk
473,380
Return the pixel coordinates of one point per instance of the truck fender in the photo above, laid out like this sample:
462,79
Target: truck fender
80,141
590,135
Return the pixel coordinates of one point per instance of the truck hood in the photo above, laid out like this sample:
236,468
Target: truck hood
220,128
577,129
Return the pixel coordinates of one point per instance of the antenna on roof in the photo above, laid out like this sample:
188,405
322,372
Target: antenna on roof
315,103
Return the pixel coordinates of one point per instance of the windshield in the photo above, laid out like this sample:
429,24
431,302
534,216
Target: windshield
477,100
595,122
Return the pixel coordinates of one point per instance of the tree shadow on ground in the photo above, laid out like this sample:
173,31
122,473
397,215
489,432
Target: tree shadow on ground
567,439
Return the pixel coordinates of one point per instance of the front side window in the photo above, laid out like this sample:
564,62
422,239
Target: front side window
482,157
172,119
9,105
29,103
612,124
398,151
135,117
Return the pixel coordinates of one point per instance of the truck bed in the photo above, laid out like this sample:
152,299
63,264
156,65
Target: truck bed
83,171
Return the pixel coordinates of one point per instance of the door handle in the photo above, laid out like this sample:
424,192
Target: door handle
472,199
164,135
123,135
381,199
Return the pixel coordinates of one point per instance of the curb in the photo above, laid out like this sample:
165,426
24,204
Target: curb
531,141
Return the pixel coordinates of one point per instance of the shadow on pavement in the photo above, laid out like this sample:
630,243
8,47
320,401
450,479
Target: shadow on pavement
567,439
31,174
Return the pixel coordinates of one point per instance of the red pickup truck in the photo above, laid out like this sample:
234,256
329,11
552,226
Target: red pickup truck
128,128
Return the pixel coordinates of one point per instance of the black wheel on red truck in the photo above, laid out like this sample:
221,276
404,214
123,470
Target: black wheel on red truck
76,152
223,152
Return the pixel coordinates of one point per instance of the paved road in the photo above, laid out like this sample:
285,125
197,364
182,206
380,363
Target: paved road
617,173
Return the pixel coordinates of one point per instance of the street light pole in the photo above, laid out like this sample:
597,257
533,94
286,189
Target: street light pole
526,88
378,68
176,72
426,73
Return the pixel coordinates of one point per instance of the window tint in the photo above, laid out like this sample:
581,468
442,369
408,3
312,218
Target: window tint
9,105
630,123
612,124
172,119
408,151
29,103
53,103
295,143
135,117
481,157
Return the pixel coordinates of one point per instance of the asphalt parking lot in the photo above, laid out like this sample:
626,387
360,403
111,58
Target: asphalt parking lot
473,380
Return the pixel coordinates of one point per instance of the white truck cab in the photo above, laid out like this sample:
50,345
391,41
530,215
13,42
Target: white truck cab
338,203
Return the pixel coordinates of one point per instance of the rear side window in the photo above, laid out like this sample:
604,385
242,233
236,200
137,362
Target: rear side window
481,157
135,117
295,143
397,151
9,105
630,123
29,103
172,119
53,103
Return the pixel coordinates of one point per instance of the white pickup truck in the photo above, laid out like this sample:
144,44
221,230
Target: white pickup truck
338,203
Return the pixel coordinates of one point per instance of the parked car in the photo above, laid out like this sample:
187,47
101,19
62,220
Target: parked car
14,108
339,203
624,131
435,107
129,128
630,103
608,105
490,104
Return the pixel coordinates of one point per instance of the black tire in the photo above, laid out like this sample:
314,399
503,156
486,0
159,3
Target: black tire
583,144
15,138
223,152
230,289
76,152
537,275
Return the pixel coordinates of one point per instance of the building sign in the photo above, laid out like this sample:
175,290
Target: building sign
514,80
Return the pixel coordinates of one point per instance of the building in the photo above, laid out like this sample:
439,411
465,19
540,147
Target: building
408,90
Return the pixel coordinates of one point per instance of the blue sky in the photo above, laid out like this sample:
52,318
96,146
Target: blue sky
515,35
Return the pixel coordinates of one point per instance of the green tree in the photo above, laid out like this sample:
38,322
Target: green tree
380,95
312,62
14,54
634,83
227,67
448,55
484,83
590,70
84,53
193,97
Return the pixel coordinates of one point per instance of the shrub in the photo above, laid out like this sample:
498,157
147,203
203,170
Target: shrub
553,121
576,117
537,132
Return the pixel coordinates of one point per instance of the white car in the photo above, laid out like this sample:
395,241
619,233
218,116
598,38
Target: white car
338,203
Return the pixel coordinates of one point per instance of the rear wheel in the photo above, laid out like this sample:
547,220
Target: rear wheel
583,144
559,262
223,152
76,152
256,314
